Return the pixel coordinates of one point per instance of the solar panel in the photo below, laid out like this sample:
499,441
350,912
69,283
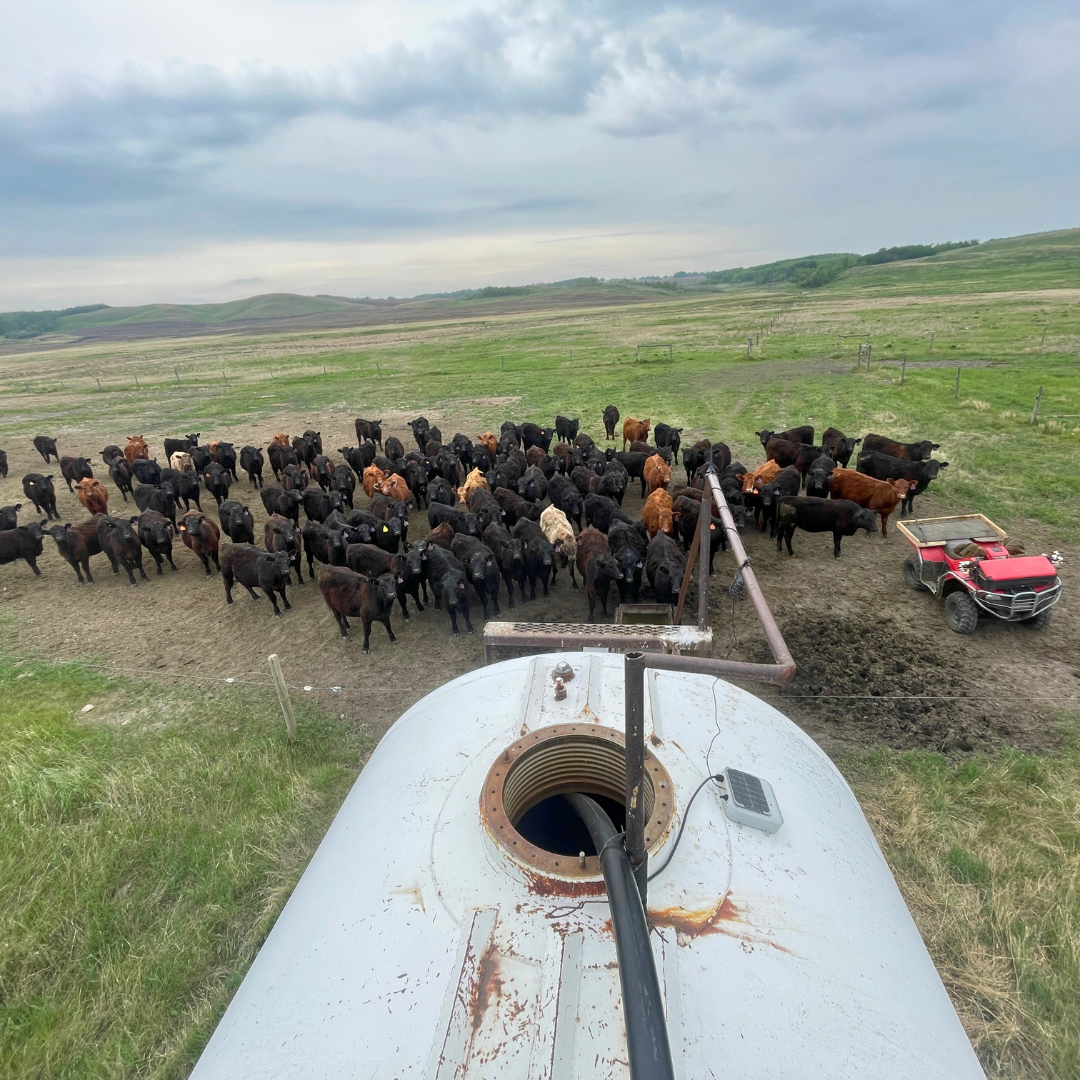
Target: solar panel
747,791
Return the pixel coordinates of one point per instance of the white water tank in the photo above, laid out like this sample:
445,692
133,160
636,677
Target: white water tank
435,936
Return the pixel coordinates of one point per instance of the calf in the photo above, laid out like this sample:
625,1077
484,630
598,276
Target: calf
187,488
349,595
384,533
657,473
585,480
686,513
560,535
566,429
386,508
93,495
664,566
514,507
473,481
146,471
448,583
304,451
74,469
161,499
280,458
318,504
486,508
804,434
76,543
600,512
918,451
359,458
236,522
634,464
181,462
534,435
23,542
695,457
839,445
294,478
597,567
202,536
344,483
611,418
533,485
567,458
46,447
324,543
614,482
441,491
657,514
460,444
840,517
628,547
122,476
537,553
881,496
217,481
200,458
633,430
181,446
420,429
251,461
156,535
369,429
481,568
251,567
817,479
441,536
668,437
917,473
40,491
785,452
121,545
784,484
371,478
281,534
510,557
9,517
565,497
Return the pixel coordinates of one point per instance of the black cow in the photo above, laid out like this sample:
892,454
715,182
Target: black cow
187,488
3,463
324,543
533,485
664,566
349,595
611,418
40,491
121,473
9,517
23,542
358,457
838,516
373,562
785,483
46,447
319,504
628,548
281,534
74,469
156,535
181,446
565,429
441,491
76,543
803,434
278,501
122,546
600,512
200,457
538,554
633,462
251,461
384,533
202,536
515,507
369,429
236,522
486,508
250,567
565,497
667,437
458,520
481,568
533,435
146,471
884,467
280,457
448,584
839,445
510,556
918,451
295,478
686,512
420,429
344,483
817,479
161,499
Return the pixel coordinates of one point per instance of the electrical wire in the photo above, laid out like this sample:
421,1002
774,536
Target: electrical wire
686,815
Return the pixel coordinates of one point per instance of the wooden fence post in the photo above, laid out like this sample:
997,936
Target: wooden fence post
1042,340
903,369
99,384
956,388
1035,411
177,374
930,347
137,382
749,346
283,694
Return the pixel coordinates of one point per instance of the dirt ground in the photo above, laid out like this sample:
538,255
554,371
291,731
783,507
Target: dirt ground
876,663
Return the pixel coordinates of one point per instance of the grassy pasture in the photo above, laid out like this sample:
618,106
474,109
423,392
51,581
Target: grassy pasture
147,846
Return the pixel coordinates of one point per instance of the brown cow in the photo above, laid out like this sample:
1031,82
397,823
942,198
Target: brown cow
754,479
201,535
371,479
93,495
441,536
657,473
474,480
394,486
881,496
635,429
490,441
656,513
136,448
281,439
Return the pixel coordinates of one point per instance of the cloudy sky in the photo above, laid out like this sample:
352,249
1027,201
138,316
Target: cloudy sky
218,148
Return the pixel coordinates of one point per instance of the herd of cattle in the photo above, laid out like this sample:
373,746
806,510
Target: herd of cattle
508,508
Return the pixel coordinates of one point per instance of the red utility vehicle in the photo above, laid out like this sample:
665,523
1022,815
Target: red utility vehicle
1016,588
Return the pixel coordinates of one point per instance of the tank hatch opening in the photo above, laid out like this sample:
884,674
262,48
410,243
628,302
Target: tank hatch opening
525,811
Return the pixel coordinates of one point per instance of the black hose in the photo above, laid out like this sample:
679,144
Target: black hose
646,1029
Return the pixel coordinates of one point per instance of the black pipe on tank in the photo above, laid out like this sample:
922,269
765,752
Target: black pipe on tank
647,1043
634,698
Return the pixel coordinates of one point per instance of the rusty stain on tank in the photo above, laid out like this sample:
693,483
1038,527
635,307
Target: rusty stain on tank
542,885
696,923
488,987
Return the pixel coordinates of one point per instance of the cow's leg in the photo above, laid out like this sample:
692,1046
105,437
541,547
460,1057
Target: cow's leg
884,524
255,596
836,538
389,629
168,555
129,568
789,533
214,556
142,572
468,621
453,619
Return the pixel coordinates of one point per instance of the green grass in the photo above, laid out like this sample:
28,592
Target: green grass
146,849
987,853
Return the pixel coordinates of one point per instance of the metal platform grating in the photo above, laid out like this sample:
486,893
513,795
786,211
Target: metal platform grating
556,637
